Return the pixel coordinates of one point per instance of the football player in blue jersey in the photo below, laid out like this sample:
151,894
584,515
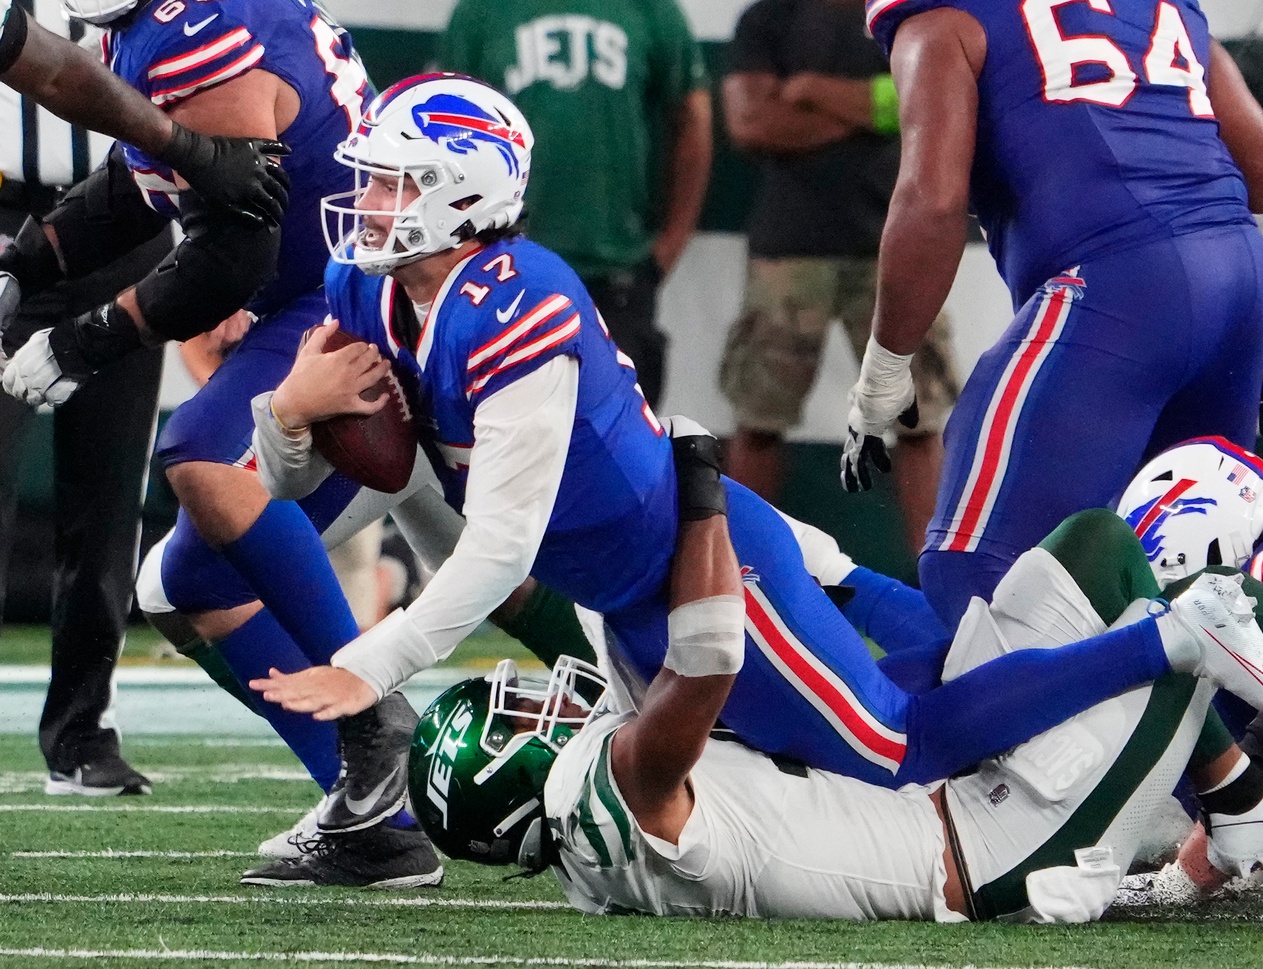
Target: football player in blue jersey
264,70
541,438
1113,155
235,173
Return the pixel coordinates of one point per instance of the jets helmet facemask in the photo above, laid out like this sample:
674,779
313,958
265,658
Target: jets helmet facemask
1196,504
482,753
457,154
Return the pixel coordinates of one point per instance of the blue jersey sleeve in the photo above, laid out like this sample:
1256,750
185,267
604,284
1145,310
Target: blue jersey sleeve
517,314
206,44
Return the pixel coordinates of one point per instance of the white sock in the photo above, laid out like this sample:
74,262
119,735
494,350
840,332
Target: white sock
1180,643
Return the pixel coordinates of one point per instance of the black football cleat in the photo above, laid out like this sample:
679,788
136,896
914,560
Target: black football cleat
374,780
377,857
106,776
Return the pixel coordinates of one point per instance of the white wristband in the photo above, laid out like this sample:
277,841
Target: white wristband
706,637
883,372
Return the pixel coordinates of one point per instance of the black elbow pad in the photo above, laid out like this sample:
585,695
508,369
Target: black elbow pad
103,218
13,39
214,272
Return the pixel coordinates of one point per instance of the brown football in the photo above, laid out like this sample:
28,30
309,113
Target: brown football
376,450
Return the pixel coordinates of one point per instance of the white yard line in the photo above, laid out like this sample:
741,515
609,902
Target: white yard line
201,955
111,853
47,898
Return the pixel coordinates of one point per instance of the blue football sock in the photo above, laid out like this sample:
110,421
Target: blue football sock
282,558
250,650
402,819
893,615
1011,699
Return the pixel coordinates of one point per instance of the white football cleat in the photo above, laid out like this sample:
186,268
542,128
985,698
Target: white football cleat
1221,618
286,844
1235,844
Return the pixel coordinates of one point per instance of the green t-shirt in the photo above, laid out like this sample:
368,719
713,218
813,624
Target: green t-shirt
598,80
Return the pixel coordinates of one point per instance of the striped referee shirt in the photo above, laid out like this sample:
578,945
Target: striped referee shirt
36,146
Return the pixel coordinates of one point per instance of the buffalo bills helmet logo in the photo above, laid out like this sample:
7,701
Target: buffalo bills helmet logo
1148,519
463,125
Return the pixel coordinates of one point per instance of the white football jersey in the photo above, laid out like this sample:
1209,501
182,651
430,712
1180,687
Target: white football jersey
762,840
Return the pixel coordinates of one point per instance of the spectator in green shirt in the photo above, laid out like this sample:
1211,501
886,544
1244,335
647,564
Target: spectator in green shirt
617,95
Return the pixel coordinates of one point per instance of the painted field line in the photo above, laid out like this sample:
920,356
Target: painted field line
45,898
156,808
202,955
111,853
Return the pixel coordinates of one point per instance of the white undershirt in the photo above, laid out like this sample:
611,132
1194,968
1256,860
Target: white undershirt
521,439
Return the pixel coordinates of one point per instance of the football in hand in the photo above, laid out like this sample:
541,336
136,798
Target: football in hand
376,450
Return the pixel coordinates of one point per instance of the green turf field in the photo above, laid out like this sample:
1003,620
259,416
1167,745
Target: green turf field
129,882
150,879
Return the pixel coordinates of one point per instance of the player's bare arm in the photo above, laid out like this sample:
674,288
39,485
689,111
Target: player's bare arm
235,174
689,173
1240,120
760,117
936,60
256,105
652,755
323,385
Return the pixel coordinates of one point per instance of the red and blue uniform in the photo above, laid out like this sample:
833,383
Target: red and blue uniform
176,50
1120,223
809,688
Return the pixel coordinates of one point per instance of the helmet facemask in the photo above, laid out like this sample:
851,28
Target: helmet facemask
418,227
482,754
461,144
98,12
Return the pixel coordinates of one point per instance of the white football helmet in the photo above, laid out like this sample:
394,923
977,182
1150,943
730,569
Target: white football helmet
99,12
1199,503
461,144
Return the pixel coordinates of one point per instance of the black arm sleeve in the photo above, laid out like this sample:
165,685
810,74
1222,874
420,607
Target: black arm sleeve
214,272
103,218
13,37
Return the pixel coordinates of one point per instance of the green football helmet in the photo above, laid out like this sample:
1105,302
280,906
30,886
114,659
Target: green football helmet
481,755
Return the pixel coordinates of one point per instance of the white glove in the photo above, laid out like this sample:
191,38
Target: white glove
10,297
34,376
883,394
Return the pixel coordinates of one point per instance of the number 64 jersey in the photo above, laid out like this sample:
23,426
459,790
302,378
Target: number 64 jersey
171,51
1095,131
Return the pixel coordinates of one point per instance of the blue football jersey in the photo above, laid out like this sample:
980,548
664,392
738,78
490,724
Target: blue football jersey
170,51
505,311
1095,131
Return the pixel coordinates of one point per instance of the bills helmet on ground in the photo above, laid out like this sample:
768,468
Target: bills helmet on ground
482,753
461,143
1199,503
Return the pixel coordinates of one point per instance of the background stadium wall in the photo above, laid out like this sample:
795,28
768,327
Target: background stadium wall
400,37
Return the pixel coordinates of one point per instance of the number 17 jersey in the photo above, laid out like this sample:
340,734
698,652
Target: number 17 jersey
1095,131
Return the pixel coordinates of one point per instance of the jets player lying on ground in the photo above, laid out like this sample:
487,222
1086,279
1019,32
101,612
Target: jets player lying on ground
1193,506
646,809
250,68
562,472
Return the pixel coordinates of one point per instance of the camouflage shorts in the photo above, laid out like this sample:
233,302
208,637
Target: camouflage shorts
773,349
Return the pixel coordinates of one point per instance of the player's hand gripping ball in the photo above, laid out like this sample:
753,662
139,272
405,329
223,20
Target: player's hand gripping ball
377,449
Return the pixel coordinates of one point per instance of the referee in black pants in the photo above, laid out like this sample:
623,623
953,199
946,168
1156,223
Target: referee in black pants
102,441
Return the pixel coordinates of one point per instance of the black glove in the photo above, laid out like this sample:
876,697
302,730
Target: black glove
234,173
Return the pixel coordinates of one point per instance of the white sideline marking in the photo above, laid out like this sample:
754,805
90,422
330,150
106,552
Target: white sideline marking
421,902
157,808
111,853
437,960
